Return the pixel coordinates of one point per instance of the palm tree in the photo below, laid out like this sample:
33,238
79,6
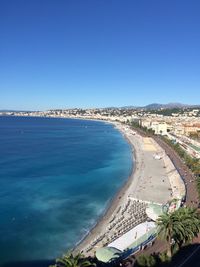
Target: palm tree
179,227
69,260
165,229
191,222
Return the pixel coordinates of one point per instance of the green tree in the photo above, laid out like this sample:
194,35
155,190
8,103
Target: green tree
190,219
166,226
70,260
146,260
179,227
163,257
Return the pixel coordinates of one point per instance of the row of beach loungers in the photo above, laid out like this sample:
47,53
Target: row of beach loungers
125,219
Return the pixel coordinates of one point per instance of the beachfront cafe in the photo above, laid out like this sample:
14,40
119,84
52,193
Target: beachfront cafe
131,242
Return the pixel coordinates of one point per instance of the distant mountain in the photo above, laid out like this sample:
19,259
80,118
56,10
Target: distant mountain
131,107
169,106
155,106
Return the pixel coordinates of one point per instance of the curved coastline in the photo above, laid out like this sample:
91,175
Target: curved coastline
148,177
143,182
118,151
115,202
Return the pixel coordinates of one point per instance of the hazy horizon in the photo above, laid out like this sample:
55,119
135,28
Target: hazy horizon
76,107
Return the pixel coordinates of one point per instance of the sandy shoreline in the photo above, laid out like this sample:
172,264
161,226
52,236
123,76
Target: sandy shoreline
114,203
148,177
152,172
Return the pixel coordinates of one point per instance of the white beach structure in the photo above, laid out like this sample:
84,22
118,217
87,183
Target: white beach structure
153,211
135,236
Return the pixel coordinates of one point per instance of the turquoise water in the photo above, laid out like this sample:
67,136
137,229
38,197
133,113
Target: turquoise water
57,176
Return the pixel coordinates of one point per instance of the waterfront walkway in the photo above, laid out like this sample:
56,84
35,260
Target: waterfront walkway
150,176
187,176
192,199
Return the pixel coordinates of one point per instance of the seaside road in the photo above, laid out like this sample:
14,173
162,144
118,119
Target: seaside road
149,181
186,174
193,259
192,198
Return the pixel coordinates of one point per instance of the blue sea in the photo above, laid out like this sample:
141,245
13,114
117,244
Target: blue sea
57,176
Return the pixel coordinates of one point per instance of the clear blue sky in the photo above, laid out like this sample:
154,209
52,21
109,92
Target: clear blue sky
87,53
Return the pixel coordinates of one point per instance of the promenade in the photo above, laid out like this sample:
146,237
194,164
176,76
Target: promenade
148,183
191,200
